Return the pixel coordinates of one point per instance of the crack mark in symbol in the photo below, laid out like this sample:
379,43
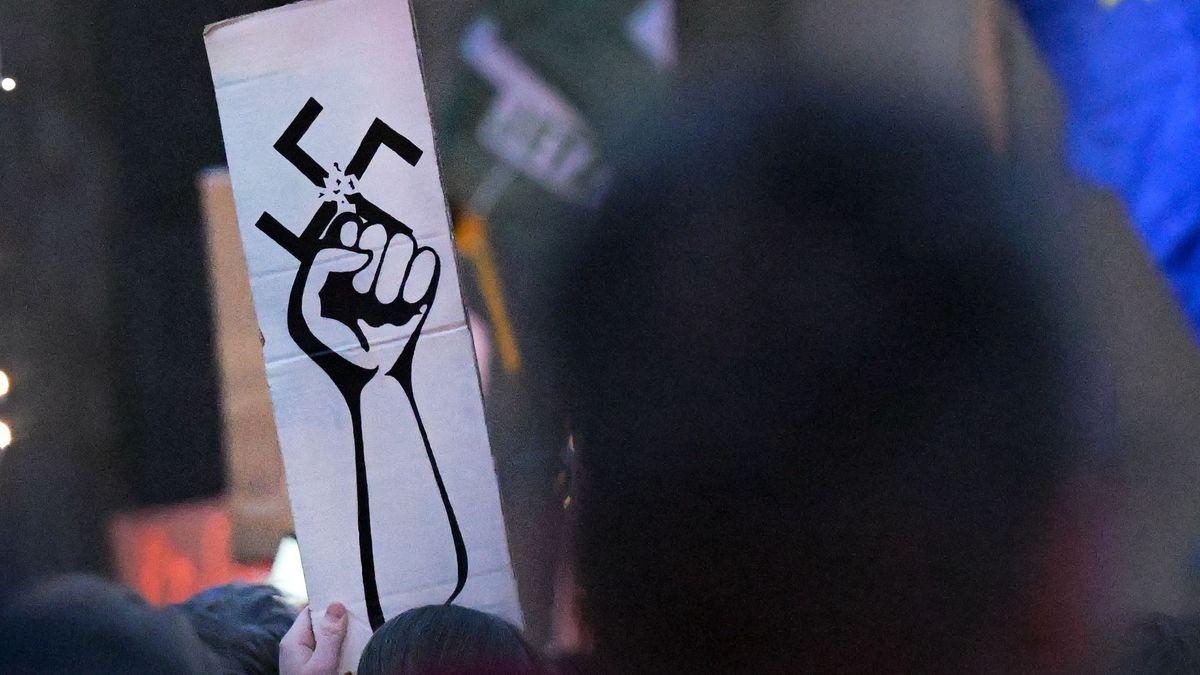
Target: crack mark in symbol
337,186
361,270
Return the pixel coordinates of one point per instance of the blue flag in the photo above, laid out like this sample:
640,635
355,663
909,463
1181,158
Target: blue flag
1130,73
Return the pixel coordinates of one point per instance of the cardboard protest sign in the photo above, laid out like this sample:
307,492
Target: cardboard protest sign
368,353
257,499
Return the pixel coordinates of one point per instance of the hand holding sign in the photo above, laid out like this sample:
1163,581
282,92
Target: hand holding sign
314,650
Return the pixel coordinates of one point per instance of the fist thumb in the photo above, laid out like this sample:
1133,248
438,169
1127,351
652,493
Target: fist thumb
333,624
330,633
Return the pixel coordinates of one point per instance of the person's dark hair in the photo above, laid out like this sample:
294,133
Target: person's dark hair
817,393
242,625
86,625
447,640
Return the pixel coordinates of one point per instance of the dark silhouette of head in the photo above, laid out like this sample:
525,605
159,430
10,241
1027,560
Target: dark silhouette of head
447,640
817,392
242,625
85,625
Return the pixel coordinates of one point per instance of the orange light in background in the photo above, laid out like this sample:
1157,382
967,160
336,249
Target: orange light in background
168,554
8,84
6,435
5,384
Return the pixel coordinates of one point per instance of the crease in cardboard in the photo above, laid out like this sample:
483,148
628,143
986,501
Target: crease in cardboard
356,349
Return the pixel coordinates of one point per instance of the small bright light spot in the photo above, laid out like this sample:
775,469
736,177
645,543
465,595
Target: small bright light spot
8,84
6,438
5,384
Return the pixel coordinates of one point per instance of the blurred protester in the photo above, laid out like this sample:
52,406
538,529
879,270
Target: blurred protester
1130,76
1157,644
242,625
309,649
820,396
84,625
524,139
447,640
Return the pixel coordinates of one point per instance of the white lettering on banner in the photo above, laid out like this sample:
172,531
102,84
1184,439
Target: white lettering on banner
530,126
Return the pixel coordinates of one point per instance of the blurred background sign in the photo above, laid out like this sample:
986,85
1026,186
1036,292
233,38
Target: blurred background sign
257,497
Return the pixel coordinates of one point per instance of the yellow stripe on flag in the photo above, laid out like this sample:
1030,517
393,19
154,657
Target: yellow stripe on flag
472,240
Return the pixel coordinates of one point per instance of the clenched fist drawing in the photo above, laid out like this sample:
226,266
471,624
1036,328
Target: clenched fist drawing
368,286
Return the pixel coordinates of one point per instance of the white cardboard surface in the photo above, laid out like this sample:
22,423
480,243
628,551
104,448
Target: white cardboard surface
359,60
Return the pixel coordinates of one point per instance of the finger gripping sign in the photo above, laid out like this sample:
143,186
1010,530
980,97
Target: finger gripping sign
369,356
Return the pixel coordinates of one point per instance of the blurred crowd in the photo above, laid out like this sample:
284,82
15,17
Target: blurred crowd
828,398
